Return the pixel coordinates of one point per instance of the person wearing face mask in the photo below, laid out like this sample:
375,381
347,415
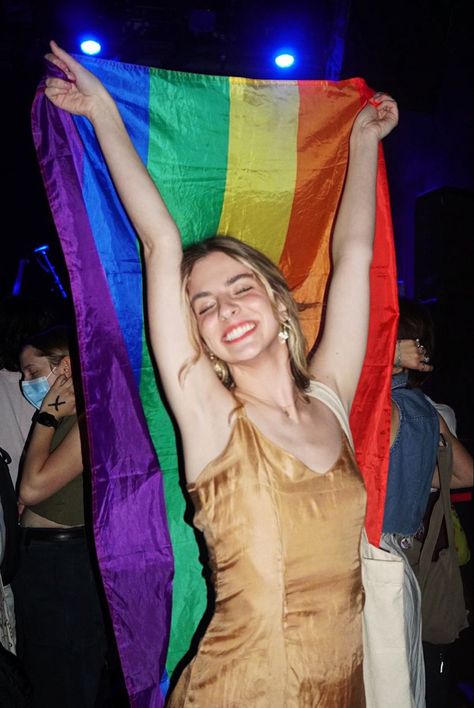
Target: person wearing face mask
19,318
61,637
36,389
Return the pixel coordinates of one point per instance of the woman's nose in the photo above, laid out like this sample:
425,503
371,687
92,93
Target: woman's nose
227,308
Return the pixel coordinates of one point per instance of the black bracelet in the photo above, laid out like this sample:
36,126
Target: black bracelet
46,419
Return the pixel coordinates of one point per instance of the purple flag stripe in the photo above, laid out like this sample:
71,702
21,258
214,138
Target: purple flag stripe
131,533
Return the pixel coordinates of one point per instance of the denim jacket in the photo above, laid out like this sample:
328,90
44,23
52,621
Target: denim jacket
412,459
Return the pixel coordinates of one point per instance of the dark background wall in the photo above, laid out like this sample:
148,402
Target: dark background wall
422,52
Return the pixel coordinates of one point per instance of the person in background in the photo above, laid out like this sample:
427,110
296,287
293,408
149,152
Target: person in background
20,317
415,435
61,635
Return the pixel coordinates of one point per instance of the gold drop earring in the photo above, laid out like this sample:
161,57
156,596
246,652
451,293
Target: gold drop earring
284,332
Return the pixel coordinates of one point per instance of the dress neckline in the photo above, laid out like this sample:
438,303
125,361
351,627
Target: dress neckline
240,409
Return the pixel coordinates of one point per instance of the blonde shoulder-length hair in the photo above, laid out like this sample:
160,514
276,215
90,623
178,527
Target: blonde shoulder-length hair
278,292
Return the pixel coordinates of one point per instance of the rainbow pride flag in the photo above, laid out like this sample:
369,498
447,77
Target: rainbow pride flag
261,160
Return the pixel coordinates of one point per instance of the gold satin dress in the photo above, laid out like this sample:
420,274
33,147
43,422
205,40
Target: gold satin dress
283,546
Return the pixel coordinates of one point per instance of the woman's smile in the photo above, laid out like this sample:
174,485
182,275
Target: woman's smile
238,331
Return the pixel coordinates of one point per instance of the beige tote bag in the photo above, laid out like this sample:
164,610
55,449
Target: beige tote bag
386,652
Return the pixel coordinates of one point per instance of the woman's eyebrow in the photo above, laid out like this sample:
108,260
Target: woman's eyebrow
203,293
237,277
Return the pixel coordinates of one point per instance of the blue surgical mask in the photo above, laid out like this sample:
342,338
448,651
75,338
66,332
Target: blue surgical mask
35,390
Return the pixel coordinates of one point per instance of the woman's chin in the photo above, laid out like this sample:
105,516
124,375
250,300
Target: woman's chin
249,355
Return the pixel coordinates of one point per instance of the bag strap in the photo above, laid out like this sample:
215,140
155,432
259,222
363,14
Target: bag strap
441,510
7,635
330,398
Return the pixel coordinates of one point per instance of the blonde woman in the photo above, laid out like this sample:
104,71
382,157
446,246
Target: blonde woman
275,486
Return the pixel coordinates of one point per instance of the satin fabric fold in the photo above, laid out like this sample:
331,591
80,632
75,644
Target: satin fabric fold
283,544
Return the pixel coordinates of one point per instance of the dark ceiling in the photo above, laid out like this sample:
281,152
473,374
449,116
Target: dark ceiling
398,47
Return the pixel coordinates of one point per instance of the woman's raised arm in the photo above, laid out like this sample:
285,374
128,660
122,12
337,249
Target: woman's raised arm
83,94
340,355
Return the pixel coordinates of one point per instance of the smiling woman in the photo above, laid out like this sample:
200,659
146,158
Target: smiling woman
259,274
268,465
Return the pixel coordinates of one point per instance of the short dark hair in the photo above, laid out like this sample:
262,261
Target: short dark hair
54,343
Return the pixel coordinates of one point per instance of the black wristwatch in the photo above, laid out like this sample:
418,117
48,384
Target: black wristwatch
44,418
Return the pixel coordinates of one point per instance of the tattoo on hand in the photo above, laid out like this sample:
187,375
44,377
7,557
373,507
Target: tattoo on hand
56,404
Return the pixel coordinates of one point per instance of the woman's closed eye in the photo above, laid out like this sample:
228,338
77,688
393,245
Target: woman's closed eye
206,308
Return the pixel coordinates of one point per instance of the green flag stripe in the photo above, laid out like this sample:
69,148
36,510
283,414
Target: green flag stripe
188,150
187,158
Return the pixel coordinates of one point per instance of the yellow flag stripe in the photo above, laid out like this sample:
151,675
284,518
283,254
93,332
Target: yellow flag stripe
261,166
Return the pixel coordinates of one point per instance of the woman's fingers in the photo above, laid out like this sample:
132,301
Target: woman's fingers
62,64
79,92
379,115
413,355
425,367
387,109
56,84
65,59
423,358
63,382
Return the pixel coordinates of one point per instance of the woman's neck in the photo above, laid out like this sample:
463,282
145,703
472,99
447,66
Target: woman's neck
270,384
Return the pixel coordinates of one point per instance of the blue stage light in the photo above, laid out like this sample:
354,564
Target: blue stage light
17,285
45,263
90,47
284,60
